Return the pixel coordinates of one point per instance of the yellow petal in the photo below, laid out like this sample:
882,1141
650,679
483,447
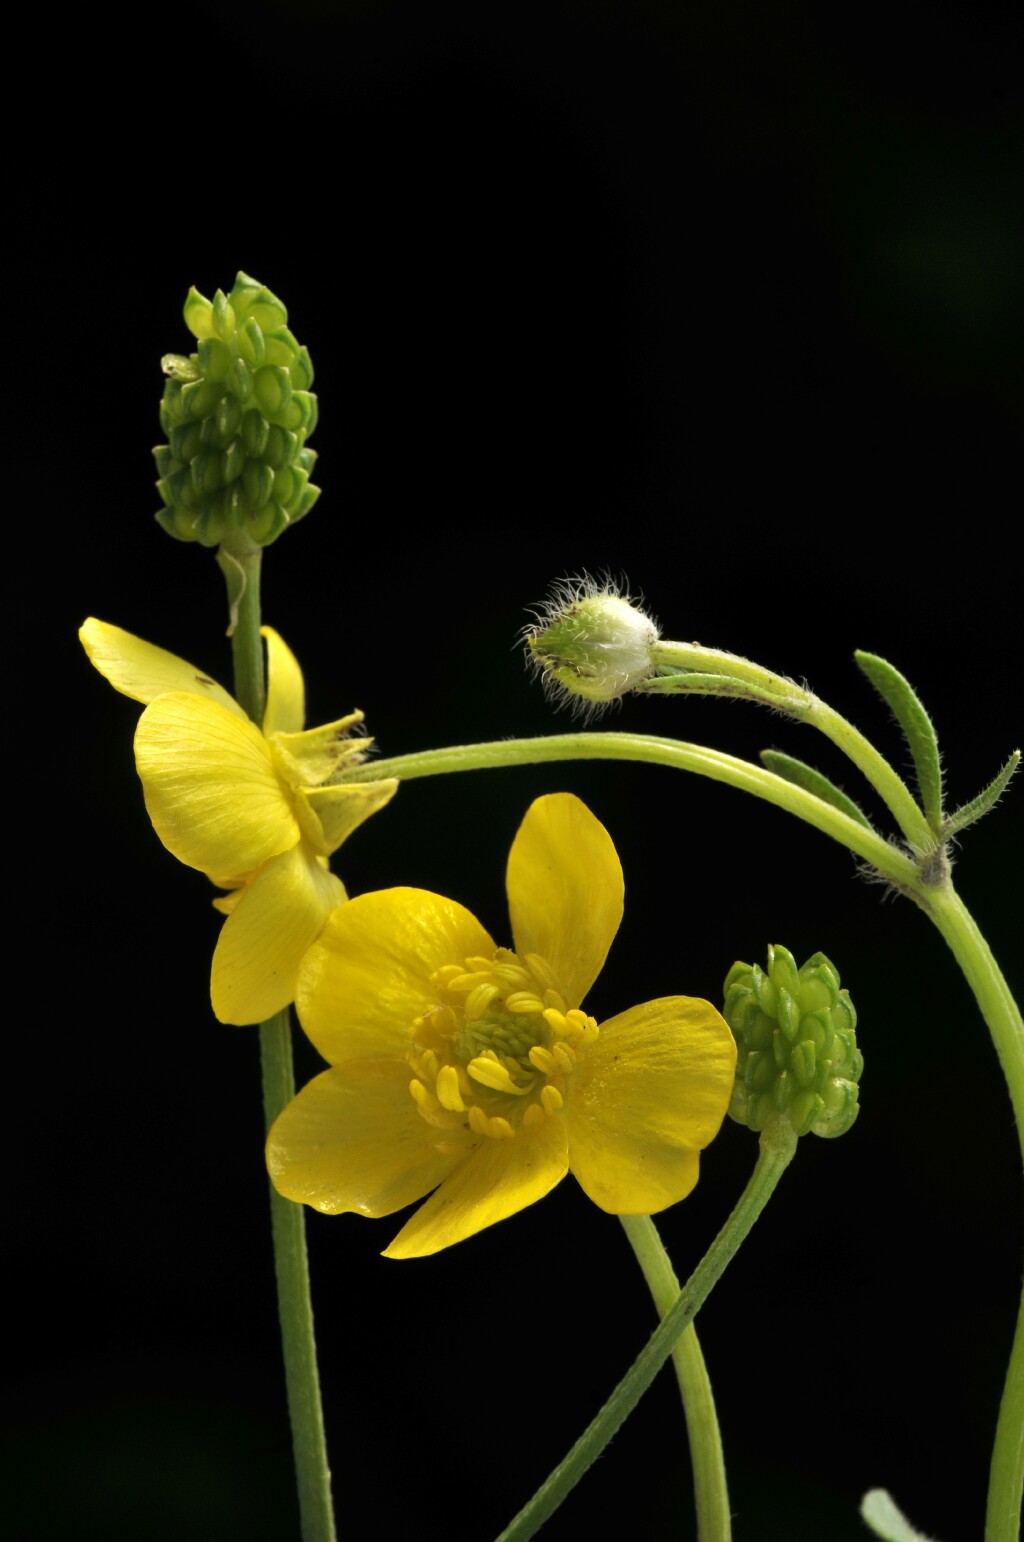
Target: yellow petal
211,791
144,672
286,691
366,980
353,1140
308,759
271,923
644,1101
565,891
342,809
499,1178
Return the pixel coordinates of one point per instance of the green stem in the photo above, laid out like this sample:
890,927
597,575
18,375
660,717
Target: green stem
891,863
287,1219
794,700
777,1145
973,954
711,1493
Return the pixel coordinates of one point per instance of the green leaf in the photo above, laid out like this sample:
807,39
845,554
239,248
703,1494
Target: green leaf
908,710
802,775
986,799
886,1519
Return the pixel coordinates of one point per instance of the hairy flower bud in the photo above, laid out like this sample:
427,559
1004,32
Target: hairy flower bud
237,414
591,643
798,1055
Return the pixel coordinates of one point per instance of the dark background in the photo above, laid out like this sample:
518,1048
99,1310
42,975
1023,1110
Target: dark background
722,298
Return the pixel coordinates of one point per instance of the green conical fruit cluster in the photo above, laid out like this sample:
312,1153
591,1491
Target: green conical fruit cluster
798,1055
237,414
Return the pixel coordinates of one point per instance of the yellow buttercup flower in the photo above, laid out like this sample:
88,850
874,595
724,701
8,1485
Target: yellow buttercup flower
471,1070
258,813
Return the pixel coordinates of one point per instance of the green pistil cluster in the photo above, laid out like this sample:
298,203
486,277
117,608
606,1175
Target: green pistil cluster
798,1055
237,414
509,1035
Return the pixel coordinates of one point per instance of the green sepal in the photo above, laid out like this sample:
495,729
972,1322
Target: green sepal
907,708
805,776
986,800
880,1512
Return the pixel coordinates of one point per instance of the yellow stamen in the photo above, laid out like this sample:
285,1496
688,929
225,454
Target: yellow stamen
553,998
488,1070
523,1001
551,1098
479,999
448,1093
565,1057
533,1116
557,1022
543,1059
540,967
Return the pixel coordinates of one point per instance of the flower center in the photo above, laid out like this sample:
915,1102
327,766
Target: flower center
497,1049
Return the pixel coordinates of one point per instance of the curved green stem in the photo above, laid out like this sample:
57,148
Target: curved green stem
711,1494
777,1145
739,676
890,862
287,1220
973,954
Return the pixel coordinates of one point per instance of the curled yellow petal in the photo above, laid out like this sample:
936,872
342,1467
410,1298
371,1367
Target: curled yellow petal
342,809
565,891
271,923
646,1098
498,1179
211,790
352,1140
286,690
144,672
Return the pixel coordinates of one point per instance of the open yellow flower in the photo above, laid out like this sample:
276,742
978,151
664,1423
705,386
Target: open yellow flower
258,813
470,1070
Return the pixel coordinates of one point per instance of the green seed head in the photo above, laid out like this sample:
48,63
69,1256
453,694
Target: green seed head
591,644
237,414
798,1056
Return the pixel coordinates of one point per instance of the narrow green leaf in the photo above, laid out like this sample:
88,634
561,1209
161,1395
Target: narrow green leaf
886,1519
805,776
908,710
987,799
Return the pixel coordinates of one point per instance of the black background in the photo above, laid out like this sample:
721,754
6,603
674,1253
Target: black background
721,298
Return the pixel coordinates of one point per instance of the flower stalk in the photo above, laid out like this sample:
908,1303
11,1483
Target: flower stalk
711,1493
288,1226
777,1145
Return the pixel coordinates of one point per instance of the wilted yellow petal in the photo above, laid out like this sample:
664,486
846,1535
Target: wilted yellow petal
498,1179
353,1140
367,979
646,1098
565,891
309,759
271,923
144,672
286,690
211,791
342,809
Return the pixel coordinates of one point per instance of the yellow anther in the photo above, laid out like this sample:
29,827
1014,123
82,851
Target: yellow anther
466,982
477,1119
577,1022
533,1116
447,972
523,1001
479,999
512,975
556,1022
540,967
543,1059
488,1070
564,1056
551,1098
420,1094
448,1093
499,1129
478,964
554,999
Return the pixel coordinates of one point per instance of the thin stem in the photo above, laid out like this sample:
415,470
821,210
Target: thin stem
973,954
891,863
287,1219
711,1494
774,690
777,1146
